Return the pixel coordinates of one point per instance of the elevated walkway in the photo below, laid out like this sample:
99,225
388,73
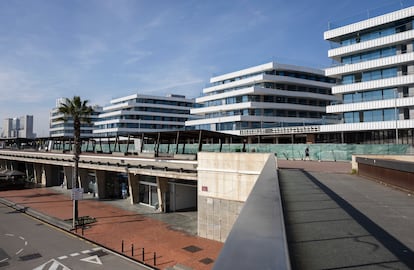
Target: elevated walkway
324,231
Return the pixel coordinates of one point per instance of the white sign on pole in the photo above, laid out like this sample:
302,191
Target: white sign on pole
77,194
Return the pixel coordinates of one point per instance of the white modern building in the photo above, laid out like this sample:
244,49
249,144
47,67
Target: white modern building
19,127
143,113
375,73
264,96
60,128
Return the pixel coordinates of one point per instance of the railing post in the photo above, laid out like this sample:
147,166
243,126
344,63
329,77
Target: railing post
132,250
155,259
122,246
143,254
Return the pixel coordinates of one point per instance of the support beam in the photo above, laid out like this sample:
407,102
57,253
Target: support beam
162,189
133,185
177,139
100,182
84,179
200,141
68,174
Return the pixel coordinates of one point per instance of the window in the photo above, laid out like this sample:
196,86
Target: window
348,79
389,72
389,114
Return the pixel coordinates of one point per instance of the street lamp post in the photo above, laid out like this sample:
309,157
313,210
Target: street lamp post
73,198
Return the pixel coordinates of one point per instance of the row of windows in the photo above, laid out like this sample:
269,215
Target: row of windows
370,75
157,110
268,99
146,118
300,75
366,56
370,116
139,126
269,85
66,126
370,95
360,37
164,102
368,36
266,112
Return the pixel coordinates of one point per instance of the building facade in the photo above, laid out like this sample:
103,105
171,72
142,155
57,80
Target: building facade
374,68
143,113
19,127
60,128
264,96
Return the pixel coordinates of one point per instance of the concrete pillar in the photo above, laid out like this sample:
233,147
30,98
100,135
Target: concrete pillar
133,185
3,164
100,182
38,171
67,179
47,175
162,189
84,179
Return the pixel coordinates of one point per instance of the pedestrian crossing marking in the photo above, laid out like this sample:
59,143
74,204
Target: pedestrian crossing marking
52,265
92,259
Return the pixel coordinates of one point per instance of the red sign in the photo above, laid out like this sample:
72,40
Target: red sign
204,188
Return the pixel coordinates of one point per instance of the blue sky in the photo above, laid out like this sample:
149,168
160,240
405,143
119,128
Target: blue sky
105,49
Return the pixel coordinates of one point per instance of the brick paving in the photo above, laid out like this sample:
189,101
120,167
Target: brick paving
115,224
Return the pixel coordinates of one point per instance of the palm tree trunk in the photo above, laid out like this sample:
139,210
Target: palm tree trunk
77,150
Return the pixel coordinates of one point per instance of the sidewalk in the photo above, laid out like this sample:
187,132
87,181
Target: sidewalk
114,224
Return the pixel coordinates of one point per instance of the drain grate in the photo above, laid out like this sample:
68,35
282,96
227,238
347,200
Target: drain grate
30,257
3,255
3,264
192,249
98,253
206,261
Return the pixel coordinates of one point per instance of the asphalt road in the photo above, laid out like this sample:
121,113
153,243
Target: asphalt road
27,243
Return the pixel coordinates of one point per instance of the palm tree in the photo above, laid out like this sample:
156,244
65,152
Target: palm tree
79,111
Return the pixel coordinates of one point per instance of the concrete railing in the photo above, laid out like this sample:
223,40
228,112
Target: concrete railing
258,238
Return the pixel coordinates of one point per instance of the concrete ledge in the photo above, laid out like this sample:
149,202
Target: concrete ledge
398,173
185,156
399,165
147,155
258,237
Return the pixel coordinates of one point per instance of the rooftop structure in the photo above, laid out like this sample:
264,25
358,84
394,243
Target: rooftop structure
143,113
264,96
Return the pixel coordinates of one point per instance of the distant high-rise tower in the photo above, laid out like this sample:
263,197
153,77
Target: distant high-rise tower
19,127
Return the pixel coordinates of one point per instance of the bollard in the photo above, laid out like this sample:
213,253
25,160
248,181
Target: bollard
122,246
155,259
83,227
132,250
143,254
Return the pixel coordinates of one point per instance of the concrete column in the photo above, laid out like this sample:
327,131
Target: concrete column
162,189
133,185
3,164
47,175
38,171
84,179
67,180
100,182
